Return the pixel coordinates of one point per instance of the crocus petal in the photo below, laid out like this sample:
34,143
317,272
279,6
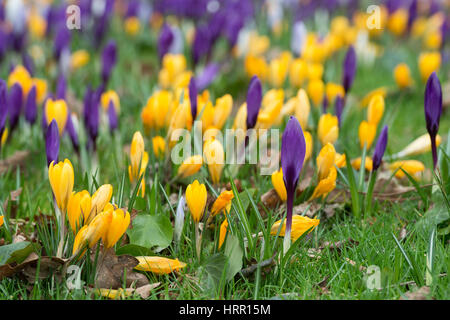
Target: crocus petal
30,106
254,98
165,40
193,97
349,69
52,142
380,148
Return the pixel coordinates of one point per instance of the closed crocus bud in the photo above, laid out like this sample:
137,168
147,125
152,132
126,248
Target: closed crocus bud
366,132
52,142
22,77
380,148
402,76
215,159
349,68
159,265
222,203
293,149
61,41
31,107
78,209
429,62
71,129
61,85
222,111
333,90
368,163
325,185
132,26
196,200
112,117
302,108
412,167
300,224
15,101
375,110
328,129
109,57
100,199
254,99
136,155
339,107
278,184
207,76
61,178
298,72
433,110
419,146
159,146
223,232
193,97
119,224
57,110
398,22
190,166
165,40
316,90
79,59
325,160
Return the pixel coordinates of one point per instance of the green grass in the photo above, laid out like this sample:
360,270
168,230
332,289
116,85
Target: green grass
367,241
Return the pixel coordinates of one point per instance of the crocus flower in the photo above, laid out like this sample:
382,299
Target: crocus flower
420,145
108,97
300,224
30,106
339,107
222,111
375,110
380,148
52,142
328,129
325,160
368,163
433,110
99,202
72,131
91,234
193,97
349,68
138,161
222,203
429,62
78,209
302,108
61,178
109,57
1,220
402,76
223,232
366,132
215,159
165,40
278,184
159,146
412,13
57,110
61,85
112,117
316,90
119,224
159,265
62,41
412,167
207,76
190,166
254,98
293,149
196,196
15,101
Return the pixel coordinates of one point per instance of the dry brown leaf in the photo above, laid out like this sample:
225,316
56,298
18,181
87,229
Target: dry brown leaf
338,245
144,291
270,199
17,159
47,266
418,294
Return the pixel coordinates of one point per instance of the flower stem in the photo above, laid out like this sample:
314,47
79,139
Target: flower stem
373,177
198,240
287,232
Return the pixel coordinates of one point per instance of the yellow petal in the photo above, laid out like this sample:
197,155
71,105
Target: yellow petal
159,265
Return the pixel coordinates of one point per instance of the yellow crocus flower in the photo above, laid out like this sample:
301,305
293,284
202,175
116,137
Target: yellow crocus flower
366,132
421,145
428,63
1,220
375,110
255,65
100,199
328,129
433,39
316,89
402,76
56,110
340,160
92,233
190,166
333,90
109,96
222,202
196,200
222,111
412,167
4,137
368,164
325,160
132,26
37,25
159,265
278,184
223,232
241,118
325,185
315,71
61,178
298,72
159,146
79,59
120,221
21,76
309,145
136,155
300,224
78,209
41,88
302,108
398,22
215,159
379,91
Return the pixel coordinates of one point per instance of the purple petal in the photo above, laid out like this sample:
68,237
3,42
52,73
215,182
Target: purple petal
380,148
254,99
165,40
73,134
339,107
31,106
15,101
61,87
52,142
3,105
109,58
112,116
349,68
433,103
207,76
193,97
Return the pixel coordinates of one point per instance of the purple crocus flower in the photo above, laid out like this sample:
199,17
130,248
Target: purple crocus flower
93,116
109,58
380,148
112,117
70,128
31,106
293,149
3,106
193,97
349,68
207,76
62,41
52,142
433,110
15,101
61,87
339,107
28,63
201,45
324,104
165,40
254,99
412,13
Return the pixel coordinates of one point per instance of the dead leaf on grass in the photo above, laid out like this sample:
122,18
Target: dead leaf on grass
17,159
422,293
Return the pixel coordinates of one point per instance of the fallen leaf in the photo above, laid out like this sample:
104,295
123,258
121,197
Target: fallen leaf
418,294
47,266
144,291
17,159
